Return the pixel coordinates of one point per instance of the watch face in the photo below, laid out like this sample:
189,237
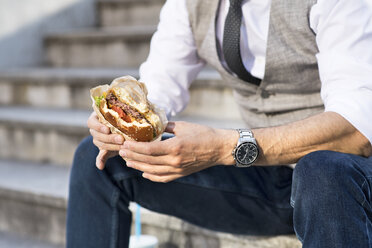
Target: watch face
246,153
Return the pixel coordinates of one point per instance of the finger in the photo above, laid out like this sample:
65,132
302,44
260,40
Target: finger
93,123
100,160
153,169
162,178
105,146
155,148
154,160
107,138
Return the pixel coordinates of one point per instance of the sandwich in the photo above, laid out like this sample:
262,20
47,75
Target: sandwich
123,107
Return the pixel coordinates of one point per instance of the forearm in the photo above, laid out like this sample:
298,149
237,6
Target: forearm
326,131
197,147
288,143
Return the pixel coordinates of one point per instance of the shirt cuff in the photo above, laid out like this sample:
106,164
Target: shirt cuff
353,107
347,89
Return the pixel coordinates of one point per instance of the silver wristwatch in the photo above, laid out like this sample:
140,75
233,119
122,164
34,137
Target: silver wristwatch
246,151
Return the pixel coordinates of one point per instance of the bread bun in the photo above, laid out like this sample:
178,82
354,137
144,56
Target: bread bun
151,121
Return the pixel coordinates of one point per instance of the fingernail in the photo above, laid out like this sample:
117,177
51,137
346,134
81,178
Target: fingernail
122,153
104,129
129,164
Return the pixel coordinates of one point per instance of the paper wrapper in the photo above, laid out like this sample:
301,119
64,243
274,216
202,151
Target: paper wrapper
138,94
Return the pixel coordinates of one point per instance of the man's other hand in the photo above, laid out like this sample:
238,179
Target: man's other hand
108,144
192,149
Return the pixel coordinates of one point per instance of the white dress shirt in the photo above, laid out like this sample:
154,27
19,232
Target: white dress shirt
343,31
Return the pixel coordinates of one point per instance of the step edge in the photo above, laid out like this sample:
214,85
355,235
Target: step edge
37,125
102,35
125,2
131,1
56,76
33,197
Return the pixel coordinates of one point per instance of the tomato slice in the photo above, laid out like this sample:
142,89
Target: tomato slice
121,113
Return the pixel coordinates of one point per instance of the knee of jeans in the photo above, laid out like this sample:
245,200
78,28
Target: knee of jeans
324,165
84,171
322,171
86,152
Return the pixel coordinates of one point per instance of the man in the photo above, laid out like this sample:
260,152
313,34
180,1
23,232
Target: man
277,56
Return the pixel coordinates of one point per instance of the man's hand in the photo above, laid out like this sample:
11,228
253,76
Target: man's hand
108,144
194,148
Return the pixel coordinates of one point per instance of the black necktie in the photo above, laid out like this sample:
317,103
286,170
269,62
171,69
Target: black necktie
231,43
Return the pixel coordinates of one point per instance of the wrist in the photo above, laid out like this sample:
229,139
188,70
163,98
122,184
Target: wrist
228,138
260,135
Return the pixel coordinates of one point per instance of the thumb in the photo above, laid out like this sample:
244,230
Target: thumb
101,159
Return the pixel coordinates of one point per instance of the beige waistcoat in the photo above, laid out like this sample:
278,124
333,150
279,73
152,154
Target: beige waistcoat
290,89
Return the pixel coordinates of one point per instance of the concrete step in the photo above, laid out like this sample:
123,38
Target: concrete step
52,135
41,135
128,12
68,88
33,201
106,47
10,240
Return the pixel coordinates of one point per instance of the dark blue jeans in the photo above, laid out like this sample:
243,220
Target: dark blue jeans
330,199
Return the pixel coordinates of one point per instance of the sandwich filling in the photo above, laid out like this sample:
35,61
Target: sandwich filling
126,112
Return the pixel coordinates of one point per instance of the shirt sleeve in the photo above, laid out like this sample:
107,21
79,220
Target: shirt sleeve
344,37
173,62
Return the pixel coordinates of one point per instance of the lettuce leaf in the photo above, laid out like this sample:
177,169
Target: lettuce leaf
98,100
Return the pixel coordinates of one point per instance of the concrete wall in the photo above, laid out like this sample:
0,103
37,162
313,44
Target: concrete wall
23,23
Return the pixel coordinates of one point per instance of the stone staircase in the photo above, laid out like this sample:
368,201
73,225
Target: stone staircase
43,113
